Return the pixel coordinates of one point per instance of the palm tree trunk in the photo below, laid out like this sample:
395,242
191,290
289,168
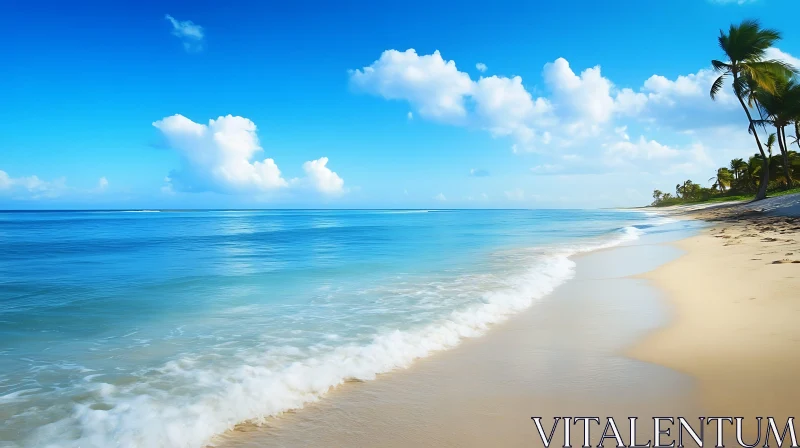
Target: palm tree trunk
796,133
785,153
762,189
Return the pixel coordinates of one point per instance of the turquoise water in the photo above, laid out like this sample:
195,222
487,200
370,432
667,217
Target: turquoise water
162,329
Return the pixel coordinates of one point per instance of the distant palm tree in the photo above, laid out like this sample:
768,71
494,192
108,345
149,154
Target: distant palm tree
753,175
779,109
770,143
745,46
797,132
723,179
738,167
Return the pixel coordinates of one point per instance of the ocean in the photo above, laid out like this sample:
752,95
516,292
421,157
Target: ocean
166,328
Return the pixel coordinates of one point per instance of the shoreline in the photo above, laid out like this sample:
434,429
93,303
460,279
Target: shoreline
656,327
562,356
735,297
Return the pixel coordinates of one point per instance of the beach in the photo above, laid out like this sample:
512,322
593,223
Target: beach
562,357
654,312
665,326
735,298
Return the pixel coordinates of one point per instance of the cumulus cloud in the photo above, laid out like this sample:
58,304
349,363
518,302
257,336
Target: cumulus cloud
439,91
627,150
682,103
221,156
5,180
579,121
102,184
481,67
697,161
32,187
652,156
504,107
584,98
322,178
218,156
440,197
435,87
190,34
776,53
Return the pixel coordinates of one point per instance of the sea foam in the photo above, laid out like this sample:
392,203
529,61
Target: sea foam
149,414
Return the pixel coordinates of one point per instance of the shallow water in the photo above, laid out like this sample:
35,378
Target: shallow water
164,329
564,356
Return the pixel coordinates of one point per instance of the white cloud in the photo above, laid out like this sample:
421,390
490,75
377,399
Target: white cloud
220,157
580,108
439,91
697,162
642,149
501,105
5,181
410,115
622,132
730,2
581,122
102,184
32,187
323,179
581,99
652,156
776,53
434,86
440,197
190,34
505,107
217,156
481,67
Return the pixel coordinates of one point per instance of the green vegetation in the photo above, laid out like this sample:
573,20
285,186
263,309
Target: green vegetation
768,88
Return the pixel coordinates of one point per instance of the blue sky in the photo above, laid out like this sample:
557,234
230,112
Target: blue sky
107,104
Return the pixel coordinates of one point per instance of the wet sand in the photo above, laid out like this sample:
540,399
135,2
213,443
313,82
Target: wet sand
563,356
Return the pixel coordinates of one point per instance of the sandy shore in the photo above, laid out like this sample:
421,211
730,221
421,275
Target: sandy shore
563,356
736,298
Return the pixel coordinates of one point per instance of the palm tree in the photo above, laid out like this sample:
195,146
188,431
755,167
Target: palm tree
657,194
788,167
780,108
723,179
754,175
770,143
797,131
745,45
738,167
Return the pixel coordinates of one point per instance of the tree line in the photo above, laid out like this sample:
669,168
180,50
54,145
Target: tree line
769,93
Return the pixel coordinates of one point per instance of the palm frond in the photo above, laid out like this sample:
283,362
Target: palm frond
720,66
717,86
